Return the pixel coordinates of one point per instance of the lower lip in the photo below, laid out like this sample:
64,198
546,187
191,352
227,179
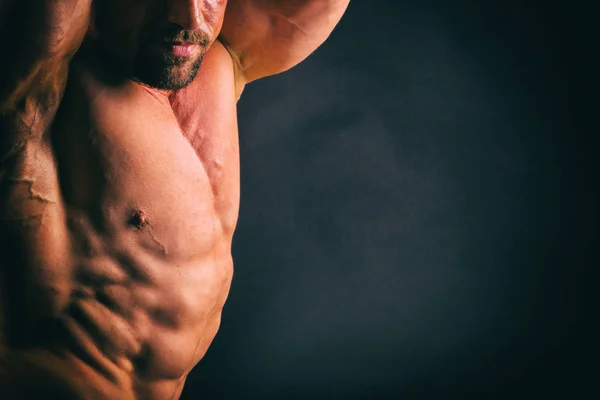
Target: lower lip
181,50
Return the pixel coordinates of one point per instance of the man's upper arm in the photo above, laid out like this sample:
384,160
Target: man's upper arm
266,37
38,39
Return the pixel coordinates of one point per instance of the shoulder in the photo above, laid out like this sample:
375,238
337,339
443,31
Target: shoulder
218,77
221,68
208,104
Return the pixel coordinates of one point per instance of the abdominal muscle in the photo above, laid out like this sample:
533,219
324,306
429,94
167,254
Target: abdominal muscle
102,309
111,312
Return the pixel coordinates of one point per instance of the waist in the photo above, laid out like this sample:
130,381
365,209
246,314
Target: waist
73,338
57,372
60,374
94,344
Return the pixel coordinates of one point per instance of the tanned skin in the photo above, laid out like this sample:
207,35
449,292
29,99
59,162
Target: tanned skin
119,182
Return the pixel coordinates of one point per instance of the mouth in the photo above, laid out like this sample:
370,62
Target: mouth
179,49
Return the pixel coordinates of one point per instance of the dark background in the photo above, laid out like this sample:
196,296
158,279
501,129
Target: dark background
419,214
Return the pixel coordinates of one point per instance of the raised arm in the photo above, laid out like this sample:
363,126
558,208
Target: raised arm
37,41
266,37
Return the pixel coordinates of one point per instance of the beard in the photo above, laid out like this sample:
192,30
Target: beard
166,72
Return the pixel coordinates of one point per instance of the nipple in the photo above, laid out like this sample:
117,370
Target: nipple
138,218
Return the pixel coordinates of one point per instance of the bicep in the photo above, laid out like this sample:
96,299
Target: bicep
271,36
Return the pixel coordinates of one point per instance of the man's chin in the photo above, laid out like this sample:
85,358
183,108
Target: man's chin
172,77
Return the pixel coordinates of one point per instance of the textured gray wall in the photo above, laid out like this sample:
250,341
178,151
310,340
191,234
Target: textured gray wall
418,209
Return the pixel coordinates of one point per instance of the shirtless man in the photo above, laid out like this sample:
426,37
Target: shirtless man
119,182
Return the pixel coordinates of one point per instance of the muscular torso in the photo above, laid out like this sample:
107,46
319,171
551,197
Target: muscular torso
116,228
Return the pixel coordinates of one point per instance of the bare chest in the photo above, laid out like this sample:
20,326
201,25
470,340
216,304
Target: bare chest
141,169
134,161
